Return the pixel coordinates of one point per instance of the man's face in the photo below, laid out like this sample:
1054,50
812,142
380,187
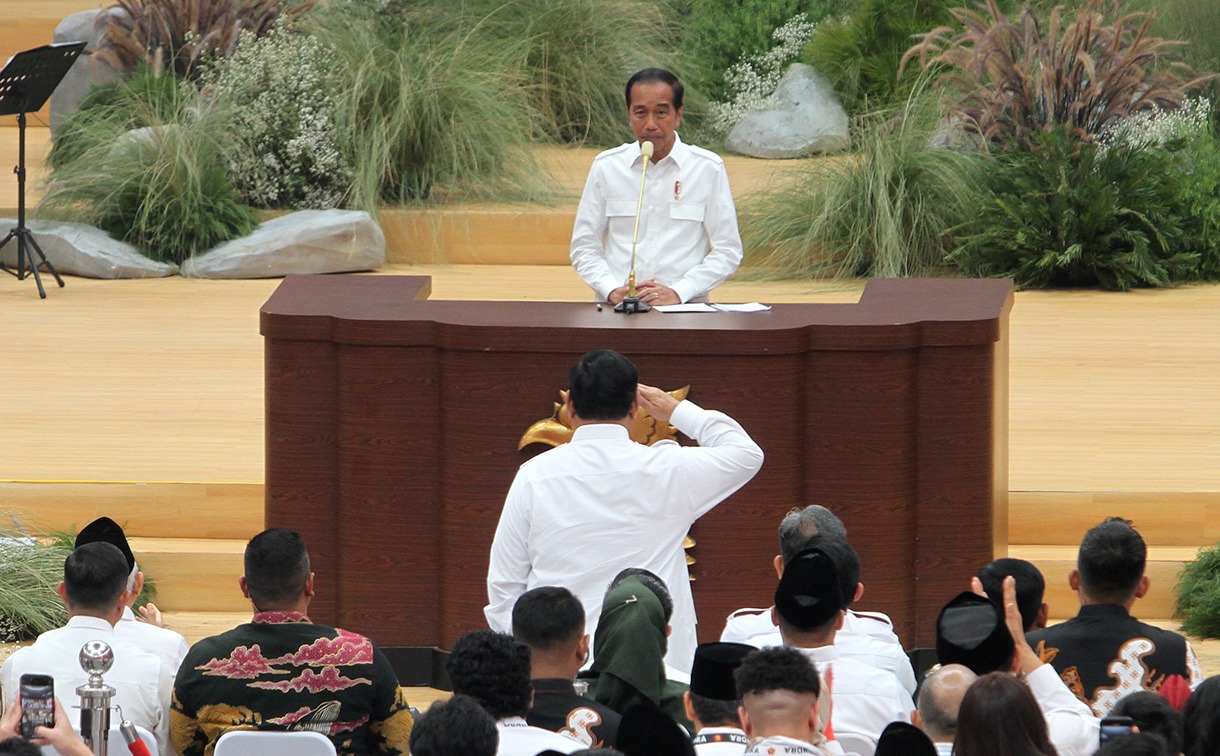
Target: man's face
653,116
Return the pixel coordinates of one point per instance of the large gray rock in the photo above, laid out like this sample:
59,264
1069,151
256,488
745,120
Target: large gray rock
807,118
308,241
83,250
88,70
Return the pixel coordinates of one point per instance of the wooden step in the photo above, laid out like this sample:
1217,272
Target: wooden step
1162,518
194,574
1164,565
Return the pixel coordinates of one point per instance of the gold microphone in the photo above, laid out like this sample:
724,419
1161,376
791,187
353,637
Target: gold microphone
631,303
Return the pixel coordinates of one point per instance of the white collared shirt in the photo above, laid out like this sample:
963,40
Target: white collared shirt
578,514
1073,729
865,698
721,741
142,682
517,738
688,238
779,745
162,641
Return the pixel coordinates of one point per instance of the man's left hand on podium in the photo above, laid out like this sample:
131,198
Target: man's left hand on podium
652,293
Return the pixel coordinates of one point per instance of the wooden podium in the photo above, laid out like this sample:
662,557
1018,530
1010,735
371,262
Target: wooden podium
393,422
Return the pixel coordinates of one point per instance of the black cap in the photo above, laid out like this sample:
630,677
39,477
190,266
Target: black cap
645,730
106,530
904,739
970,631
711,674
809,595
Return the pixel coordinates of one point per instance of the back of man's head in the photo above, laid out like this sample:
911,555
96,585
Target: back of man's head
95,576
548,619
778,687
1153,714
1031,586
602,386
494,669
18,746
1111,561
1138,744
652,582
940,698
457,727
277,569
801,525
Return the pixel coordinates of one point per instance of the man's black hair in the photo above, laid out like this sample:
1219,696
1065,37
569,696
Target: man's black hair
652,582
776,668
602,385
19,746
1138,744
548,618
95,576
799,526
457,727
1153,714
715,713
656,74
493,669
1031,586
277,568
1111,561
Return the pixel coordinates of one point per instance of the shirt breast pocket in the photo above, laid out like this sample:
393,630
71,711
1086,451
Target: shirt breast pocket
687,211
620,217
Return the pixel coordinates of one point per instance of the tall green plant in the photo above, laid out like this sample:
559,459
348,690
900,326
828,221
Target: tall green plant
30,568
1198,594
884,211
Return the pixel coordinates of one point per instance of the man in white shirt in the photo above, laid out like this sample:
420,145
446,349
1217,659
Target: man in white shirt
940,699
865,636
578,514
94,590
779,692
688,241
809,609
494,669
712,701
145,631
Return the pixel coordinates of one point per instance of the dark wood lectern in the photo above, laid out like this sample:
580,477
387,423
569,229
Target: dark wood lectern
393,422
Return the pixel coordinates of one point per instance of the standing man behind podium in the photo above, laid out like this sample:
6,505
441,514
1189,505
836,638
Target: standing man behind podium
688,240
580,513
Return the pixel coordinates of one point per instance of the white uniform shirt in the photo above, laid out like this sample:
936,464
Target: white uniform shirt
141,680
721,741
688,238
1073,729
783,746
578,514
520,739
163,642
866,637
943,749
865,698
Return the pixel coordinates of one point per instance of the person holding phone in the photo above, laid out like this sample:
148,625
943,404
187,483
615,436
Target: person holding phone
59,735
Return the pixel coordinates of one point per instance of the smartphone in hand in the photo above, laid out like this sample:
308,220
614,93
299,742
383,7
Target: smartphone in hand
1116,727
37,703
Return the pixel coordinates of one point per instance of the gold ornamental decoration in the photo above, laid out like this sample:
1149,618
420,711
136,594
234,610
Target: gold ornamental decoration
557,429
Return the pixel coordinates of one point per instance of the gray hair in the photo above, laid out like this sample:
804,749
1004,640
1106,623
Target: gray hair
131,577
940,700
799,526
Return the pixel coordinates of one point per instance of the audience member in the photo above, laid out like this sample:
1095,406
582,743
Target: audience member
976,632
551,621
903,739
1153,714
577,514
940,698
62,739
146,631
1031,587
94,589
809,609
1202,736
457,727
494,670
1104,653
712,701
280,671
648,731
1138,744
999,717
779,691
629,651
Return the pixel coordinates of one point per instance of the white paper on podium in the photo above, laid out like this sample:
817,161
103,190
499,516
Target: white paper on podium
688,307
747,307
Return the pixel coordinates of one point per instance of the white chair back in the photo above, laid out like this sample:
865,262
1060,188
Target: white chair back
856,743
274,743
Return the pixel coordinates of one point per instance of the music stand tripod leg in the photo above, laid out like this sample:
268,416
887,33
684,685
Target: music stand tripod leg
42,260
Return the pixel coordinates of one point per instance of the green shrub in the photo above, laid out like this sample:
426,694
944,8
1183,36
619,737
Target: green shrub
30,568
862,54
285,151
753,80
1198,594
1071,213
884,211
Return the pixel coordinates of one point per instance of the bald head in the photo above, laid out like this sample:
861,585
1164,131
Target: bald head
940,698
779,712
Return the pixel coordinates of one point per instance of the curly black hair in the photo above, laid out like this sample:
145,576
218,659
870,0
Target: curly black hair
777,668
457,727
493,669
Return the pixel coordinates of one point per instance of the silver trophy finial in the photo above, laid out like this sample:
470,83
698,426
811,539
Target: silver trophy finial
96,658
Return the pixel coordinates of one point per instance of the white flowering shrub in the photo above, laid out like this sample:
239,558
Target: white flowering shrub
753,80
286,151
1155,128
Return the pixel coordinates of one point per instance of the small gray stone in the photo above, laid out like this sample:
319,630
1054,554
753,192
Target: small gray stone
307,241
88,70
807,118
82,250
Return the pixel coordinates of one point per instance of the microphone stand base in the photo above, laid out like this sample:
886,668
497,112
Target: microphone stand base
630,305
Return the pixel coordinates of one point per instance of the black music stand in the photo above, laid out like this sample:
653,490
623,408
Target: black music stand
25,84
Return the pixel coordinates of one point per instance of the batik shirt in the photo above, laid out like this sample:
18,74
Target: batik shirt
282,672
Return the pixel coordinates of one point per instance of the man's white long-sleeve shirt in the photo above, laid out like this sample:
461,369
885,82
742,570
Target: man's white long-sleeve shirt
1073,729
578,514
688,237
